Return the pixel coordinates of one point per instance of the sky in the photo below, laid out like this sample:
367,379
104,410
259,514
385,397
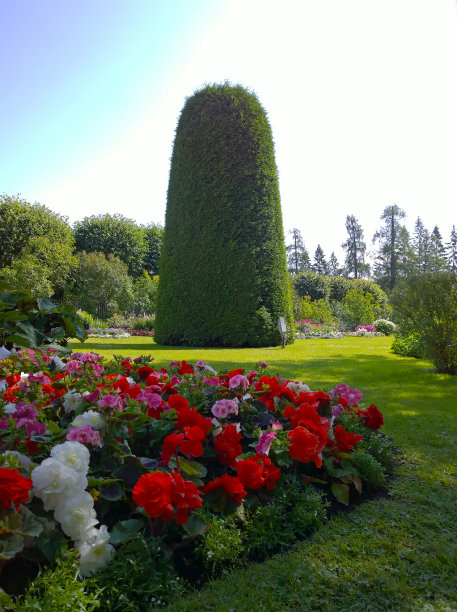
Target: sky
361,96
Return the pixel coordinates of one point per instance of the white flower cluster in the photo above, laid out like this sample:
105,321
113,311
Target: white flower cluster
60,482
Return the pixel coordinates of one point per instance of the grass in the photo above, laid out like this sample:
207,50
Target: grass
392,553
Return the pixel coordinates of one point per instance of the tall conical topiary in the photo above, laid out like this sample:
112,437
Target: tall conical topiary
223,272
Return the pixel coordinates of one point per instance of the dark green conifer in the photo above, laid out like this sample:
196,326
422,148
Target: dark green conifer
223,271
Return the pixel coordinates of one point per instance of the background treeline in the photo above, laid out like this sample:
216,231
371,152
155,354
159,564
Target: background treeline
104,264
396,253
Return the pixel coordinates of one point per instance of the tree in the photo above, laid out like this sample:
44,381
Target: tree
113,234
36,251
333,266
320,265
223,269
437,251
154,237
102,285
394,249
297,256
451,251
355,248
420,245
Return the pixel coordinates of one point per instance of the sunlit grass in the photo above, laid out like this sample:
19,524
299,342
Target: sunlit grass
393,553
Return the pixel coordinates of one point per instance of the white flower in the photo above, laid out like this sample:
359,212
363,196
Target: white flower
95,550
9,408
3,385
74,455
72,400
58,363
53,480
298,387
76,514
92,418
22,460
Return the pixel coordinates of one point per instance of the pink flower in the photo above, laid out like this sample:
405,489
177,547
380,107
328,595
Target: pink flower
352,396
153,400
74,367
39,377
84,435
224,407
239,382
110,401
92,397
265,441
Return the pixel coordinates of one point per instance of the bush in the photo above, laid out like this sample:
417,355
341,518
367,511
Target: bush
385,327
370,470
317,311
426,305
86,320
221,547
316,286
408,345
356,309
223,270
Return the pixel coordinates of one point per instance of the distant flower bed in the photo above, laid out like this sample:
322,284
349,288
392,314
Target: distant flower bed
102,456
306,328
107,332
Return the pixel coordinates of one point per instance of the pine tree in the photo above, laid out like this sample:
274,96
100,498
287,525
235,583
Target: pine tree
320,264
451,251
333,266
223,270
394,249
297,256
437,251
355,248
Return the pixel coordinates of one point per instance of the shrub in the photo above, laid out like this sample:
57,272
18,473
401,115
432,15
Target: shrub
86,320
317,311
356,309
316,286
385,327
408,345
223,272
370,470
426,305
221,546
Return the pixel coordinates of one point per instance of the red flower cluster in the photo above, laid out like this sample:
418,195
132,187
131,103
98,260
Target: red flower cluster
13,488
167,496
345,440
227,445
372,416
307,443
257,472
305,446
231,485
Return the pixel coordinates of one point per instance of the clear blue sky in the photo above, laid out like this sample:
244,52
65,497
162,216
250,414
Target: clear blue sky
361,96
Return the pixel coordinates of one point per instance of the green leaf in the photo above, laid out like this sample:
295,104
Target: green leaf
51,543
341,492
130,473
192,468
30,525
124,530
10,545
57,333
46,305
195,526
111,491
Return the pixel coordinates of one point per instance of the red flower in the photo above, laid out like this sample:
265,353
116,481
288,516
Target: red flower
314,397
189,417
13,488
186,495
345,439
372,417
169,447
257,472
271,389
192,445
231,485
303,414
304,446
12,379
226,445
185,368
177,402
153,493
144,372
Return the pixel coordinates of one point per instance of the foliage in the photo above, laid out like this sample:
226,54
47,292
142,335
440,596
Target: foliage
320,265
132,322
408,345
26,321
356,309
370,470
385,327
221,546
86,320
144,578
145,290
311,284
113,235
112,292
451,251
154,238
427,305
223,268
317,311
37,246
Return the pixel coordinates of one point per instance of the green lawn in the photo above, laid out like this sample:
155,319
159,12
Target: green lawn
394,553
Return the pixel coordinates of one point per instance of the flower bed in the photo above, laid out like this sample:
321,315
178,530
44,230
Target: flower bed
202,469
306,328
107,332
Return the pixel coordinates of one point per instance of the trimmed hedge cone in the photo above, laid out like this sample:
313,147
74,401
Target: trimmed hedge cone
223,272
